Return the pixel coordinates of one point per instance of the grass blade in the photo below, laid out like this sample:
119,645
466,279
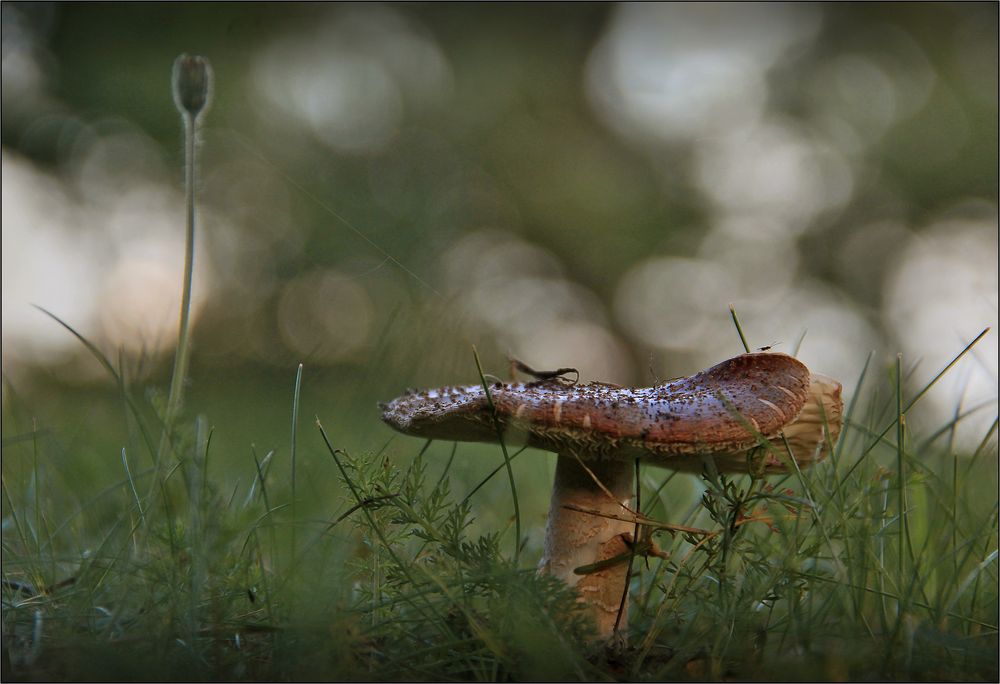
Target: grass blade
739,328
506,457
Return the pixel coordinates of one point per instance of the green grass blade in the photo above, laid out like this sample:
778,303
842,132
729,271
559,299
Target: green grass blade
131,484
739,328
296,395
506,457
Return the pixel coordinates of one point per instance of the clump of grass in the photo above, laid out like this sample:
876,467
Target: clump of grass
848,570
436,603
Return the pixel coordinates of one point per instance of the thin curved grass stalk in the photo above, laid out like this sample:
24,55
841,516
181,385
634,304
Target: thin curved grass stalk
506,457
295,423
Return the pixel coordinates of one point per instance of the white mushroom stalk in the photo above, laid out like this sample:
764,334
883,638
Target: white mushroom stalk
598,430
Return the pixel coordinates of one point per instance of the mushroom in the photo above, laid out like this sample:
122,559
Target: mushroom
597,430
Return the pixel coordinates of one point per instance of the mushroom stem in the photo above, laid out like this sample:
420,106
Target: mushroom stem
574,539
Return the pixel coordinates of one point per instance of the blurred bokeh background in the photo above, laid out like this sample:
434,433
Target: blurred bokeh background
383,186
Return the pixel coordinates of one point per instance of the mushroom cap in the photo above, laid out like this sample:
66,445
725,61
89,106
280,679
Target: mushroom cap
674,424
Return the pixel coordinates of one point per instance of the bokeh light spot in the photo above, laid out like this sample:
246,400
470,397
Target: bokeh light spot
324,316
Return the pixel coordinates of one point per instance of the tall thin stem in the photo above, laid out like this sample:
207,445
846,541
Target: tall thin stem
176,396
192,88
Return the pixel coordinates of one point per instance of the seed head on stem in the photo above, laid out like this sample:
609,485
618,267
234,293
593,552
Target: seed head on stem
192,84
192,89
